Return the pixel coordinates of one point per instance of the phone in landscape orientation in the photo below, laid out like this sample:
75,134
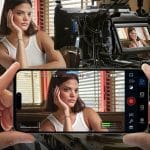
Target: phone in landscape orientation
118,96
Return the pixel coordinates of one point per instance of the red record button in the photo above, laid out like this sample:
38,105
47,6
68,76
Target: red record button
131,101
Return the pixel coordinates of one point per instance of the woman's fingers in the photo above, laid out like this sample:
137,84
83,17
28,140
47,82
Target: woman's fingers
13,137
146,70
56,95
6,110
141,140
7,77
6,99
6,120
8,19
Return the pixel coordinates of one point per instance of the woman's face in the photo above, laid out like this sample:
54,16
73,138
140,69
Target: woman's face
22,15
69,92
133,35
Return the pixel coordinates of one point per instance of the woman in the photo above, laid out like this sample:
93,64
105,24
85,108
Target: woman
68,111
22,41
135,41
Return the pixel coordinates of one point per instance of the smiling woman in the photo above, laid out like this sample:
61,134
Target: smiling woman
22,39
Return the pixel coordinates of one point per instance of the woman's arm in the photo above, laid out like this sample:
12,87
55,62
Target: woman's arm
144,43
5,59
20,54
67,122
63,107
93,120
55,59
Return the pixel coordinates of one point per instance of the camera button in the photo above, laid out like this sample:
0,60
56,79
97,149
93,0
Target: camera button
131,101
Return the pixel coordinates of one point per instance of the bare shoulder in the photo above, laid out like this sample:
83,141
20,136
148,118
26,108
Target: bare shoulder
44,40
40,32
42,35
90,113
46,126
3,48
88,110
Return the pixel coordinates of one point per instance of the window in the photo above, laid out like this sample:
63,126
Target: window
1,7
44,10
103,90
33,86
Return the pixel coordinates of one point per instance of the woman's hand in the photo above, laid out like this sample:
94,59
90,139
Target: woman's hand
12,25
6,97
9,138
141,140
60,104
6,112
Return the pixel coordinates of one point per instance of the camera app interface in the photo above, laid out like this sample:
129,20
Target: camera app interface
92,100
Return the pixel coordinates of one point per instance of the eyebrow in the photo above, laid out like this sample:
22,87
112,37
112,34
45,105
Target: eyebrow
22,11
65,86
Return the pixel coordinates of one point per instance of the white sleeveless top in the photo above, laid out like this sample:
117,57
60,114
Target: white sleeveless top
140,44
34,55
79,125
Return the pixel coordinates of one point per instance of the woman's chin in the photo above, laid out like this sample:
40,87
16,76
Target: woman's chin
71,105
24,28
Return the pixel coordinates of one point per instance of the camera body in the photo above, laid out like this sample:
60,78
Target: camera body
100,37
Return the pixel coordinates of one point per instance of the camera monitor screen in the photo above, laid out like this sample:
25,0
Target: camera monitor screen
133,37
80,100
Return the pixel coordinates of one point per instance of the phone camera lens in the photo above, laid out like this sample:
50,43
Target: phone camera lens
18,100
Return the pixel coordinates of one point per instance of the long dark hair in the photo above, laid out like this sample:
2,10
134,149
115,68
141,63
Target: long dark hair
130,29
11,4
57,79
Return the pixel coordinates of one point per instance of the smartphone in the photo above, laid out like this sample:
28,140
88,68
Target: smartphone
118,96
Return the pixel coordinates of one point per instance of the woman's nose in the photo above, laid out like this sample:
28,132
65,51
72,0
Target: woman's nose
26,17
72,93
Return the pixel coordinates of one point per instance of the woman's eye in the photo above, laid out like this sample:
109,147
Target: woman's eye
19,13
76,90
29,14
66,89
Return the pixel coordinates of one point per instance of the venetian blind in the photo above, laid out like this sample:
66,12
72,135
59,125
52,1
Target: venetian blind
89,88
29,85
99,91
47,8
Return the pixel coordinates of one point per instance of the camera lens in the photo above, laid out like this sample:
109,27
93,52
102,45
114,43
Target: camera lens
18,100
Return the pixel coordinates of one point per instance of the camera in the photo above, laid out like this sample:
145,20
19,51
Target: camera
98,36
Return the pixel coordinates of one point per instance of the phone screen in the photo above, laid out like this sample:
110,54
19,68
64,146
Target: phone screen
101,100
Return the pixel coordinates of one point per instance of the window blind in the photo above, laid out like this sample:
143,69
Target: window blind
98,92
28,83
89,88
45,12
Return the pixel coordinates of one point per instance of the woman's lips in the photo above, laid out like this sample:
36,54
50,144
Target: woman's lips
24,24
